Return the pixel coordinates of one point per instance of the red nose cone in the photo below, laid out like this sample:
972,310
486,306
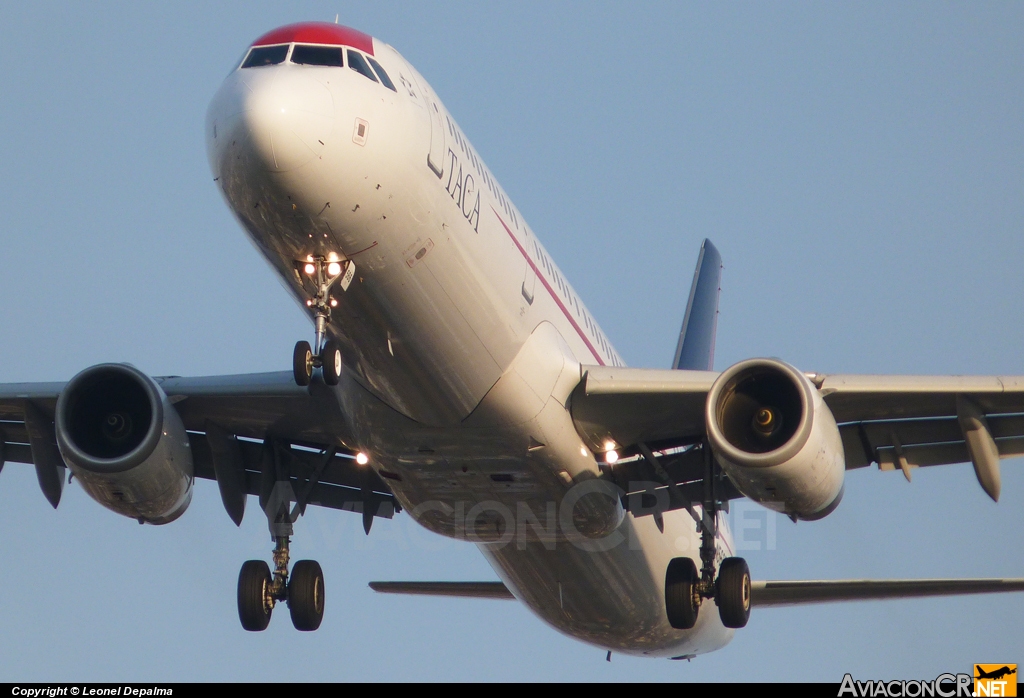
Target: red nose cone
318,33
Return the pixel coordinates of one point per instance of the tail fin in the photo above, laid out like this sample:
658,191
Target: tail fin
696,348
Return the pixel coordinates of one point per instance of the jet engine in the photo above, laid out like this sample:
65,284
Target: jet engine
125,442
776,438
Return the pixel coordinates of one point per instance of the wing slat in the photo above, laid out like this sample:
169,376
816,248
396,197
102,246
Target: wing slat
854,398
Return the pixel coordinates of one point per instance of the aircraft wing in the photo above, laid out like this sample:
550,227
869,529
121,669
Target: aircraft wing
763,594
898,422
230,420
473,590
783,593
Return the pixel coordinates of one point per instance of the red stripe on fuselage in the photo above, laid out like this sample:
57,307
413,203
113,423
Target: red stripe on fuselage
558,301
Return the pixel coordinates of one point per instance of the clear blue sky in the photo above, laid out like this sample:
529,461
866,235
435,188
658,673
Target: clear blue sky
859,166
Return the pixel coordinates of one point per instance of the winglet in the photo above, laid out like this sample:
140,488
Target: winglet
696,348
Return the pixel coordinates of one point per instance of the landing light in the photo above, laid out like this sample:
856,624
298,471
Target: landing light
334,302
362,458
310,269
333,268
611,457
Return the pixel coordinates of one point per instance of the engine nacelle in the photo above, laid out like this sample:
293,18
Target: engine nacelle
125,442
776,438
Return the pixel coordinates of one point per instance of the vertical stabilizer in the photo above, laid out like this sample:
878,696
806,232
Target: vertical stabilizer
696,348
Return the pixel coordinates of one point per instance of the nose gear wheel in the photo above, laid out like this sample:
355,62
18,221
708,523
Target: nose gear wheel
302,363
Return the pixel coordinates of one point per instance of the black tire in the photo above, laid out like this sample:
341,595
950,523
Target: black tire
254,603
733,592
306,595
330,357
302,363
681,603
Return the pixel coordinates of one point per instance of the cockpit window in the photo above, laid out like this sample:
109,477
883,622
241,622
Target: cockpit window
265,55
383,76
317,55
357,63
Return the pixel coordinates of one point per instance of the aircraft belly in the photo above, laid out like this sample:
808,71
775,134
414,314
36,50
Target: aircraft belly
518,448
495,487
612,598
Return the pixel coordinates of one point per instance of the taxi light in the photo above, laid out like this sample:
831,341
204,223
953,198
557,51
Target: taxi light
310,269
611,456
334,302
333,268
309,304
362,458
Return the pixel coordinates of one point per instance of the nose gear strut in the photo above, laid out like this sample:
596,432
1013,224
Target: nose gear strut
325,353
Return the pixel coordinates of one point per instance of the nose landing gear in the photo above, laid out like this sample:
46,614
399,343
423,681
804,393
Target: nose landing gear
325,353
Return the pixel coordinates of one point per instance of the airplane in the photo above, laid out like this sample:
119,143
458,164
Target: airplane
995,673
444,378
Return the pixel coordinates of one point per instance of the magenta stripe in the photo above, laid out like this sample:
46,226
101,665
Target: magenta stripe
554,295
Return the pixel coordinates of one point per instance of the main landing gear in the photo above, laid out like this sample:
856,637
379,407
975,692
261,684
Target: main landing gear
259,591
325,353
685,589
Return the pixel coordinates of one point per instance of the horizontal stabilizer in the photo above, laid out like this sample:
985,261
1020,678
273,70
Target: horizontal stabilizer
780,593
475,590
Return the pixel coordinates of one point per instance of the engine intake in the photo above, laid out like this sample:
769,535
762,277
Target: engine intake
776,438
125,443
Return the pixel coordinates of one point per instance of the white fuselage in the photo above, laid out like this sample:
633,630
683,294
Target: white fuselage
462,340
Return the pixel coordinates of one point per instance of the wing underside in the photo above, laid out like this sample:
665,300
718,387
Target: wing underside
896,422
763,594
474,590
792,593
247,432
